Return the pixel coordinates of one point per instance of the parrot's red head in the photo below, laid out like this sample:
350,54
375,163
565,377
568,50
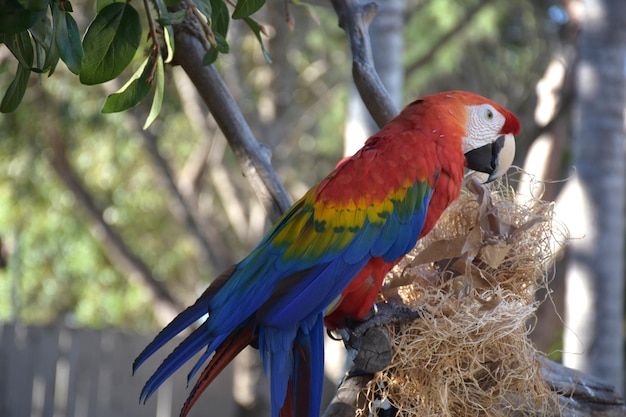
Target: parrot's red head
459,121
489,140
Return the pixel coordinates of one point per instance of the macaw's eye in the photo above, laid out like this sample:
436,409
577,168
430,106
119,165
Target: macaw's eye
489,114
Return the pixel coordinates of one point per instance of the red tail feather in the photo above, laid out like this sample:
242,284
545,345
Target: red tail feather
224,354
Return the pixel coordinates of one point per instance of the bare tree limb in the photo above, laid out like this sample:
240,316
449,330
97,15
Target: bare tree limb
354,19
253,157
580,391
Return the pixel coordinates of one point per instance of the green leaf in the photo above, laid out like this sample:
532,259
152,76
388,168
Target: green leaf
15,93
168,34
33,5
42,32
219,25
43,36
101,4
166,17
174,18
67,39
157,100
245,8
52,58
205,7
256,29
14,18
133,91
21,47
170,3
222,46
110,43
67,6
46,53
220,18
210,57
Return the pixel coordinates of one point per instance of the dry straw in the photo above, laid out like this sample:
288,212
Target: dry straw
473,279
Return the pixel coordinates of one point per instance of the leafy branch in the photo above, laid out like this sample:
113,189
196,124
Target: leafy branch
40,33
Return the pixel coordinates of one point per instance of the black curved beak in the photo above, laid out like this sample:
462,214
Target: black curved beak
494,158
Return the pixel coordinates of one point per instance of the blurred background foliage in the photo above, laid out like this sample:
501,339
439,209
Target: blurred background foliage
61,269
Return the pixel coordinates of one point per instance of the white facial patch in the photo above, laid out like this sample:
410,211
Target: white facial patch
484,123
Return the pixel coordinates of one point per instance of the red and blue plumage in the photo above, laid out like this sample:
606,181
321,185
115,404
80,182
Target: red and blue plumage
331,248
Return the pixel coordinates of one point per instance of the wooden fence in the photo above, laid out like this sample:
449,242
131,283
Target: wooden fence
61,372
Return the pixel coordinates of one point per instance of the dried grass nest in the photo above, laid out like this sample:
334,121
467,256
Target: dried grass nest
474,279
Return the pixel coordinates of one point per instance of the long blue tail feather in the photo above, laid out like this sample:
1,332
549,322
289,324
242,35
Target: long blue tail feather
180,323
212,346
276,348
308,371
181,354
295,361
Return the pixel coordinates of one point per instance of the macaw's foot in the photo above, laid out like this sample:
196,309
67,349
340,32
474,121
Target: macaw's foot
368,340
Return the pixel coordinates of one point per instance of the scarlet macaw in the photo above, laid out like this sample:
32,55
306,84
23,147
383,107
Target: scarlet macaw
328,254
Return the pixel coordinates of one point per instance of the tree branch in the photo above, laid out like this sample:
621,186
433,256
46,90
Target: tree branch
253,157
354,19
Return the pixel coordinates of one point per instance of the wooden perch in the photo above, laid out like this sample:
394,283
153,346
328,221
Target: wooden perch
581,394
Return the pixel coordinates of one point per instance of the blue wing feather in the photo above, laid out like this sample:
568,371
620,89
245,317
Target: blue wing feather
387,236
362,243
410,215
312,293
